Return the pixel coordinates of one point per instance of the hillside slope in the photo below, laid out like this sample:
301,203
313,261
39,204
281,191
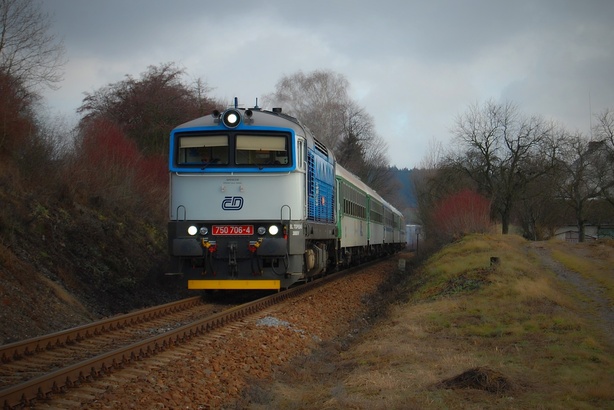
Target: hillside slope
65,261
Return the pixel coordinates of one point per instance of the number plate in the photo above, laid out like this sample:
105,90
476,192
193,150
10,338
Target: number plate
233,230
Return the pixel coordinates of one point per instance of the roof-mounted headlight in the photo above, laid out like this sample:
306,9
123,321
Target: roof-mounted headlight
231,118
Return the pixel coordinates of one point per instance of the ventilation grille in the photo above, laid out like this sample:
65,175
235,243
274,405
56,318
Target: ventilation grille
321,193
321,147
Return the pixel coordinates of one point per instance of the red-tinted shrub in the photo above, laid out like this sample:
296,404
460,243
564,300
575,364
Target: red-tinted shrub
105,145
151,181
16,120
104,166
152,171
111,170
461,213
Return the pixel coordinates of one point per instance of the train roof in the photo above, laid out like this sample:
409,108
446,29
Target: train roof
352,178
256,116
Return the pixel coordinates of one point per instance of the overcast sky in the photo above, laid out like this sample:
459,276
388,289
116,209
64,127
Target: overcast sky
413,65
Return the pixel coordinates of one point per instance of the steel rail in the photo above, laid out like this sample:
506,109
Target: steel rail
29,347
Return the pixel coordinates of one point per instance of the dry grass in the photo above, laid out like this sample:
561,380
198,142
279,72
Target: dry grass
593,260
471,336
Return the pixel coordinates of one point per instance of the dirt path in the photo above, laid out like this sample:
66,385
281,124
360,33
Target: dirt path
593,300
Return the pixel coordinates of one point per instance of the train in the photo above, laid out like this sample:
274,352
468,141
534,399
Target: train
258,202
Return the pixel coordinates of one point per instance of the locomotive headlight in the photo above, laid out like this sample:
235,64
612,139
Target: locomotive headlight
231,118
273,229
261,230
204,231
192,230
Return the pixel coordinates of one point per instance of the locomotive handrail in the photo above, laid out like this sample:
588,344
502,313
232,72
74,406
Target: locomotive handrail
281,213
185,213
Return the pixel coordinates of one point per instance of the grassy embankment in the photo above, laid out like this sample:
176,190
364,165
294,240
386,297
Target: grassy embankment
470,335
525,334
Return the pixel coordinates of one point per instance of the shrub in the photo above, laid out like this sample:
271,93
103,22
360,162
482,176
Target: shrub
461,213
16,119
110,170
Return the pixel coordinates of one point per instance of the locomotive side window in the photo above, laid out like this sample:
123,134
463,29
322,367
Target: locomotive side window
261,150
203,150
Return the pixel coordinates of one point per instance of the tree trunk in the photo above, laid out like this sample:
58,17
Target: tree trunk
580,222
505,226
505,220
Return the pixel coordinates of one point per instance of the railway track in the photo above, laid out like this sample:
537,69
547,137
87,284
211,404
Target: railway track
37,369
22,363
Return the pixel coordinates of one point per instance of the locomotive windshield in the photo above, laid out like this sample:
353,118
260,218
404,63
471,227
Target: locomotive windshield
234,149
261,150
203,150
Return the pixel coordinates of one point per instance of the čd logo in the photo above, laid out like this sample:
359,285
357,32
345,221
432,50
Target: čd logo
232,203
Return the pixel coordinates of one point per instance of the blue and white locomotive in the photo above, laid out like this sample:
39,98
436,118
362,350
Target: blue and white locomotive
257,202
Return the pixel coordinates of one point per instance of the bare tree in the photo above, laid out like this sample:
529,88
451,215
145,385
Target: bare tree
29,53
604,131
434,156
29,57
538,209
320,100
201,92
583,166
503,152
361,150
